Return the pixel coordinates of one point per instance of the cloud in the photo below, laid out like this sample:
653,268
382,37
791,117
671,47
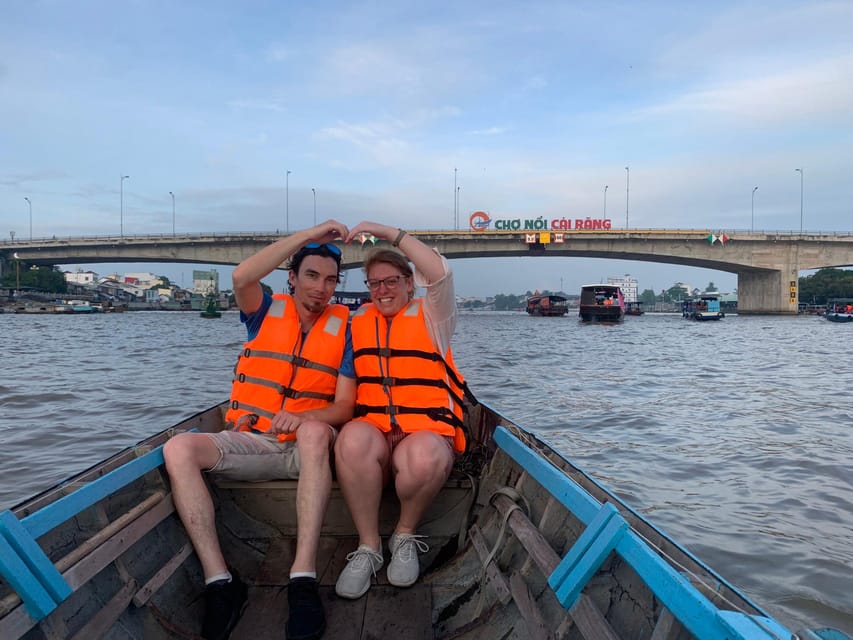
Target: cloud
258,105
813,91
491,131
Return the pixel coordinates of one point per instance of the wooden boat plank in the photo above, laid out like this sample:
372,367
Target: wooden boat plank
667,628
276,564
98,626
345,618
496,579
159,579
110,530
274,504
391,612
264,616
590,621
65,508
16,623
528,535
83,571
537,629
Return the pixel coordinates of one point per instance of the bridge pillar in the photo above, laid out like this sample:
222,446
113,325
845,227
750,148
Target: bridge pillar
770,292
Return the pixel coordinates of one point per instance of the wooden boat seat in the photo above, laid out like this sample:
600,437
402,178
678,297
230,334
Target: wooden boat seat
273,503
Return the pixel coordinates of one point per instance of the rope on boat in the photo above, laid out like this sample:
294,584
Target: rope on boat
515,496
466,519
533,442
713,588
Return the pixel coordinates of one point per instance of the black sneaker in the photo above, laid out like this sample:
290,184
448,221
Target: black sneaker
307,620
223,604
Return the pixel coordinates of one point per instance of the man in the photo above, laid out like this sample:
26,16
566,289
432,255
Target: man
408,417
285,398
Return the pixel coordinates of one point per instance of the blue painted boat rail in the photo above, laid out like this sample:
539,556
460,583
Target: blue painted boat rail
23,563
606,531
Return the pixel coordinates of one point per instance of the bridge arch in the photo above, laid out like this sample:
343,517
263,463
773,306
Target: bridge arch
767,264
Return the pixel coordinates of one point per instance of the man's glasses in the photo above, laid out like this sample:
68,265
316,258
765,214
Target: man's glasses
328,246
391,282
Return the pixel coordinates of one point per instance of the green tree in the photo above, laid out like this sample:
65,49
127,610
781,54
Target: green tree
648,297
43,278
509,302
675,293
711,288
825,284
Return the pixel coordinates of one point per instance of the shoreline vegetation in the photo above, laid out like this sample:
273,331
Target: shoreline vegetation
44,290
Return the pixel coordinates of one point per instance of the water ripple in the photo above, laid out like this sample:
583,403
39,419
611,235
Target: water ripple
729,436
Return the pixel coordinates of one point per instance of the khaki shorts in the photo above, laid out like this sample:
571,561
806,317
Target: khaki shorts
254,457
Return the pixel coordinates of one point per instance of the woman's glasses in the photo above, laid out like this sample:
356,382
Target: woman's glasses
391,282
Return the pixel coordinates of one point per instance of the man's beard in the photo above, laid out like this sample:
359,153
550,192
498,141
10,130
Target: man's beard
313,307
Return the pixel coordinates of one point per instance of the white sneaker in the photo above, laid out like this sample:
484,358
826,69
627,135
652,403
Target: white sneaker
404,568
362,565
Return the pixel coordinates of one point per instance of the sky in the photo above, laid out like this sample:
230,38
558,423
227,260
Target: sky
395,113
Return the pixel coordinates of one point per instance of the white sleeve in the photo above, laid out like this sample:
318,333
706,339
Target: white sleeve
439,307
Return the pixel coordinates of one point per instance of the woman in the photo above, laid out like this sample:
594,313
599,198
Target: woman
407,424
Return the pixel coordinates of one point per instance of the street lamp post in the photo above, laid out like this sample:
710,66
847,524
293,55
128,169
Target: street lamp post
287,202
752,214
458,189
314,191
121,204
801,199
173,212
29,202
627,192
455,201
605,201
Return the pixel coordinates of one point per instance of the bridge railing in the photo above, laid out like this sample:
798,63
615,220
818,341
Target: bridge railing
49,240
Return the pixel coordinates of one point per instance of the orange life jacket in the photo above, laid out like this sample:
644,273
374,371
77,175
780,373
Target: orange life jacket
279,369
401,375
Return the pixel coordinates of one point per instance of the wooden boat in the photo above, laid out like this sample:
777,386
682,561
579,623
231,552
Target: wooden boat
634,308
601,303
547,305
839,310
522,544
703,307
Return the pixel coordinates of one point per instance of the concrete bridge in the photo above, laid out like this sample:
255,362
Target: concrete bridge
767,263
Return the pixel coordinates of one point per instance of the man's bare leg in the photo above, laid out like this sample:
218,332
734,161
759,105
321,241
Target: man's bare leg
187,455
313,442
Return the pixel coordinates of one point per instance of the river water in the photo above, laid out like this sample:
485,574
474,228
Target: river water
734,437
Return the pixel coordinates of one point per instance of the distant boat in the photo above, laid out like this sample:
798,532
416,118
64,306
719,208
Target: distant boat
211,307
601,303
633,309
81,306
551,305
839,310
703,307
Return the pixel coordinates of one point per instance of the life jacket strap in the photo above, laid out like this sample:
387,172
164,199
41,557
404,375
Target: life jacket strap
282,390
296,361
438,414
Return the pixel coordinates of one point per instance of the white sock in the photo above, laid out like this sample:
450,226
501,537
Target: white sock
219,576
303,574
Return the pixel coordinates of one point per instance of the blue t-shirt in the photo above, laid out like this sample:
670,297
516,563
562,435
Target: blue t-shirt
254,321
